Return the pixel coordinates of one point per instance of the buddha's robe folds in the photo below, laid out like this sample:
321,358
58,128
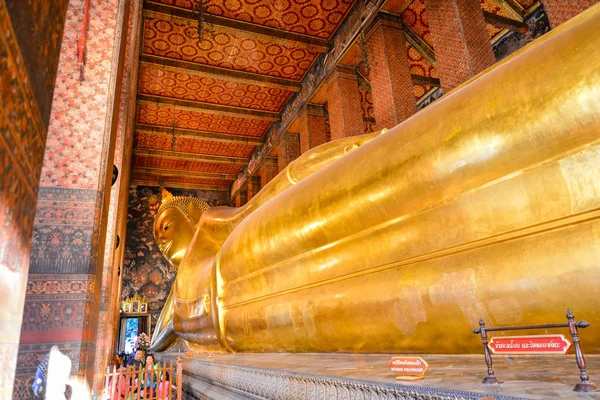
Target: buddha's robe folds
485,204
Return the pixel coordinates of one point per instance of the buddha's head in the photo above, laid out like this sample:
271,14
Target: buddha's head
175,224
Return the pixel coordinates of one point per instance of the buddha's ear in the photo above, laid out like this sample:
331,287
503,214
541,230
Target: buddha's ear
194,212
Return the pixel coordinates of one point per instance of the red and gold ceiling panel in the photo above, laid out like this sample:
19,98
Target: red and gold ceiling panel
415,18
143,176
158,81
177,38
166,115
313,18
178,164
161,141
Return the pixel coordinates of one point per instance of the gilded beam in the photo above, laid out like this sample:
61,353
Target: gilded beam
179,185
167,173
209,107
197,69
191,156
193,134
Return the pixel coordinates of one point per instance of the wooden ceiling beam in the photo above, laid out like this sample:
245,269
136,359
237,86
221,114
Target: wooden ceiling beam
190,156
425,80
192,68
201,135
209,107
309,42
167,173
179,185
505,23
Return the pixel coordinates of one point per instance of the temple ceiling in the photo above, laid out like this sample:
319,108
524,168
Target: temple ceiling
204,106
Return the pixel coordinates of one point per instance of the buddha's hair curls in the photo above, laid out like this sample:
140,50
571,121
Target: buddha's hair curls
182,203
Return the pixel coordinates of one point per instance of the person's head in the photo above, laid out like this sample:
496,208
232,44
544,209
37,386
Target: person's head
139,355
117,361
149,361
164,376
175,225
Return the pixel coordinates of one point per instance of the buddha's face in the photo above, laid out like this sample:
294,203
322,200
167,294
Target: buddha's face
174,234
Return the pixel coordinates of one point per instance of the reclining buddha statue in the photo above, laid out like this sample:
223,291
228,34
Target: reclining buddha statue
484,204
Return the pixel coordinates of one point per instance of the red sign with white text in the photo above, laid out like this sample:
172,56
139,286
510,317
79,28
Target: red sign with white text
408,367
535,344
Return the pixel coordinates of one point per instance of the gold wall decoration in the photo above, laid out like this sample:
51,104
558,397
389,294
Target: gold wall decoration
135,304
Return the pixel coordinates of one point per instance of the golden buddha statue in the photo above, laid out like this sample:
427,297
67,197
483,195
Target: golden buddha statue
485,204
175,225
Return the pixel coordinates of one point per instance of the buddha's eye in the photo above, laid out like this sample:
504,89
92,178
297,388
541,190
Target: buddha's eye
167,226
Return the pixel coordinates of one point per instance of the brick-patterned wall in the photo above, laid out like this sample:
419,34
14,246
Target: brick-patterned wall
67,236
313,127
268,170
461,41
560,11
288,150
390,77
253,186
343,104
26,83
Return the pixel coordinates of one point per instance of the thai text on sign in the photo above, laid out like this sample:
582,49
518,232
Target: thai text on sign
534,344
409,368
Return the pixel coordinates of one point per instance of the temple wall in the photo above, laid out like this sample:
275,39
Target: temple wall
26,86
145,269
63,289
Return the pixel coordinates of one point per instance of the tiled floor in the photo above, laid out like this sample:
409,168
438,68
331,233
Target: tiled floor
530,377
